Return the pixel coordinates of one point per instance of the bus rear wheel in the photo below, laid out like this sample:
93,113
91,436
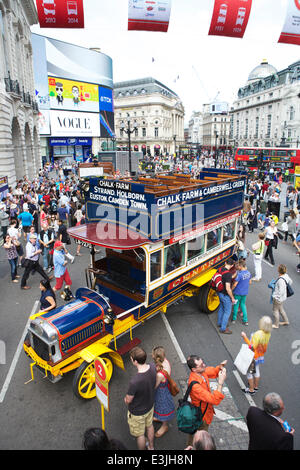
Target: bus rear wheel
84,379
208,299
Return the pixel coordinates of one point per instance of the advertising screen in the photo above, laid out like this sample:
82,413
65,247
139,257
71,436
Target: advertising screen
70,123
71,95
106,106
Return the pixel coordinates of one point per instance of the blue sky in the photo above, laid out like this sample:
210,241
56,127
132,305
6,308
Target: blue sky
205,64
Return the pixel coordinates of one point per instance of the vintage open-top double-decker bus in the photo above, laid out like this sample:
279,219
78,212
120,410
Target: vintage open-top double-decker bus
162,238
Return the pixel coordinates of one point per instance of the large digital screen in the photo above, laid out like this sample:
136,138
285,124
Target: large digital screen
71,95
106,106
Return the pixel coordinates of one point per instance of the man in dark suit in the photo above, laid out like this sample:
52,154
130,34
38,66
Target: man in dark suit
266,431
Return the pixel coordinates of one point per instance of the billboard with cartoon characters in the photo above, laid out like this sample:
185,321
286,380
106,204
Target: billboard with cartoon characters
70,95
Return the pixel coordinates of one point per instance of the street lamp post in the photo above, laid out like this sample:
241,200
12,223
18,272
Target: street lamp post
129,131
174,138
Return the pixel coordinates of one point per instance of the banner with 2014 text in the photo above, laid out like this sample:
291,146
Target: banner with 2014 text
230,18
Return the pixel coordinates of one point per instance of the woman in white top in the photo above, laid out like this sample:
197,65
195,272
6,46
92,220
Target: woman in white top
270,233
279,295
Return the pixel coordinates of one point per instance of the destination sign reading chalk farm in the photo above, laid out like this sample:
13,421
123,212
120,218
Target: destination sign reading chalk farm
198,193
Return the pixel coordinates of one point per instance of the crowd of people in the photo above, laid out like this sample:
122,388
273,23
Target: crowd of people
34,218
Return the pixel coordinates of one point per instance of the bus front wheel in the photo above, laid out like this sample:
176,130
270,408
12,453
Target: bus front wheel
208,299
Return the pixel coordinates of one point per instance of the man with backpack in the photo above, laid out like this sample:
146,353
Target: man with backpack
201,394
222,282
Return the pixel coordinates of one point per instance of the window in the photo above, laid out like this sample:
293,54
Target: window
269,125
228,232
213,239
155,265
143,131
195,247
174,257
292,113
156,132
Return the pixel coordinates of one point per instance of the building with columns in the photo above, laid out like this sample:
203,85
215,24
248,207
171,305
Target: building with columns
156,112
215,126
267,110
19,133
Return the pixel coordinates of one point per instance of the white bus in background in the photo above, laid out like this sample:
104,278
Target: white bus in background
240,16
72,8
222,13
49,7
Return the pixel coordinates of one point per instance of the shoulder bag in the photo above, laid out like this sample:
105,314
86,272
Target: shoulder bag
172,385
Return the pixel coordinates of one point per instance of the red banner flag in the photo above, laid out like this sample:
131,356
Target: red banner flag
230,18
149,15
291,29
60,13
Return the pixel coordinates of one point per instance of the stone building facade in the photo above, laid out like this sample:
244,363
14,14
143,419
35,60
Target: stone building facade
267,110
19,133
155,110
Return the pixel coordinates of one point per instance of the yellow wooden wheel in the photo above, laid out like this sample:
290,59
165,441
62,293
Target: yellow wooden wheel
84,379
208,299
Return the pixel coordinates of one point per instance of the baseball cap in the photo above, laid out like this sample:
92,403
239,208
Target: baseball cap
58,243
32,235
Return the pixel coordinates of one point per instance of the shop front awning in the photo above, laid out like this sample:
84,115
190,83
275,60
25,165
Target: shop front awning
108,235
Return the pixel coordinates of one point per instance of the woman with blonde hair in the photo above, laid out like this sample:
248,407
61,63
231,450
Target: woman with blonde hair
164,409
258,343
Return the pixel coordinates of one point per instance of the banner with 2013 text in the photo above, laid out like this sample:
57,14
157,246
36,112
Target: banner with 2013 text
60,13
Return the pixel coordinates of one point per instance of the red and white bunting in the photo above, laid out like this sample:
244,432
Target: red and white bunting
291,29
60,13
149,15
230,18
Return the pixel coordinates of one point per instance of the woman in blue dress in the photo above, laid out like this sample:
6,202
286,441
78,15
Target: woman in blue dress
164,408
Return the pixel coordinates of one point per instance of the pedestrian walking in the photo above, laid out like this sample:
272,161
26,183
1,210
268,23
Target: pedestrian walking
258,251
164,408
10,246
266,428
26,219
46,239
226,296
291,226
32,262
63,236
61,272
140,399
241,290
279,295
270,234
258,342
201,394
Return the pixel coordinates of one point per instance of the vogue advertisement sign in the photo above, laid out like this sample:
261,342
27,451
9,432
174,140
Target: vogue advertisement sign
291,29
60,13
65,123
230,18
149,15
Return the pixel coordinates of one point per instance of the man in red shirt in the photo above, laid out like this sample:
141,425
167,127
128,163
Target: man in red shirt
202,392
